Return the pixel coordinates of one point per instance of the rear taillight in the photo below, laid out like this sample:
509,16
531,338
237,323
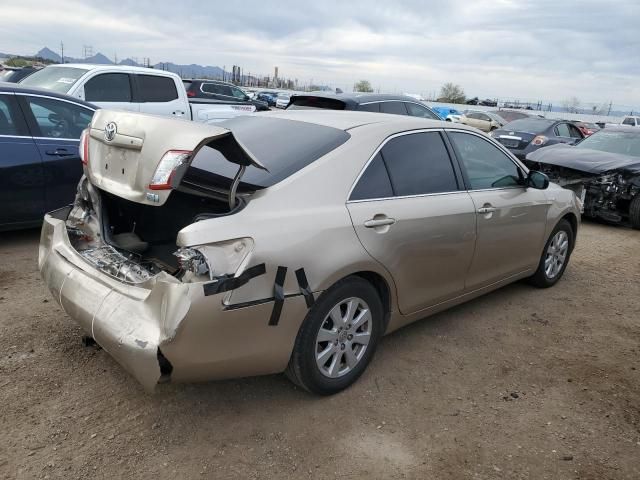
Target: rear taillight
190,93
84,147
167,167
539,140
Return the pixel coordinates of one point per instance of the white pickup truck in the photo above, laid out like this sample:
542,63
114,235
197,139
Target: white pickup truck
135,89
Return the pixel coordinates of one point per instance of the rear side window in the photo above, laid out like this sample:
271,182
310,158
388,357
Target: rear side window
418,164
216,89
416,110
374,182
108,87
154,88
396,108
370,107
629,121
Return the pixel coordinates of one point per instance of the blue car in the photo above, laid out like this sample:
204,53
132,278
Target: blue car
447,113
39,162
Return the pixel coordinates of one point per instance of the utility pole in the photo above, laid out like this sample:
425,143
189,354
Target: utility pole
610,105
61,52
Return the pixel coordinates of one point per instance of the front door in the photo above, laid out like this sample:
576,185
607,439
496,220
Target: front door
21,175
511,219
411,214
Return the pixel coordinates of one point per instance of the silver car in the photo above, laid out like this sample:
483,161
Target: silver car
290,241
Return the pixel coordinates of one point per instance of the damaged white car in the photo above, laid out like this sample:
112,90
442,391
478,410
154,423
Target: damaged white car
289,241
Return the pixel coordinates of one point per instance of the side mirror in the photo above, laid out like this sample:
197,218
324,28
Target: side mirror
537,180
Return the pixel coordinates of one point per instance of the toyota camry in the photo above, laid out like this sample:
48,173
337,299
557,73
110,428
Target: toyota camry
291,241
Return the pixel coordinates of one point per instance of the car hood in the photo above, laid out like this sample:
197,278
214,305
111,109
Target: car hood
585,160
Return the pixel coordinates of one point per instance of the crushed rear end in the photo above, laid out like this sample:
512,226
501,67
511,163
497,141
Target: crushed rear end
117,265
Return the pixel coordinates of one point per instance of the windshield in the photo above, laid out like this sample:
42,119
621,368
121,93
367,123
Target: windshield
624,143
58,79
530,125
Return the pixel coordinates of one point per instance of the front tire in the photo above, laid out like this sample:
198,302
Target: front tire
337,338
555,256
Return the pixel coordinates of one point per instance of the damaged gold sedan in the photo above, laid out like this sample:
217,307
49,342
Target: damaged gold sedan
290,241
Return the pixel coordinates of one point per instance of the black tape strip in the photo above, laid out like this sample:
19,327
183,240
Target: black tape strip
227,282
278,295
304,287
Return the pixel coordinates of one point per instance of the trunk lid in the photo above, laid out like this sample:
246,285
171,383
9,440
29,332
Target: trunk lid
511,139
125,149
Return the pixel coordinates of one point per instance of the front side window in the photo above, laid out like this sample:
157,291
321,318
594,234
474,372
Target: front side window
486,165
629,121
413,164
396,108
562,130
108,87
239,94
154,88
416,110
58,119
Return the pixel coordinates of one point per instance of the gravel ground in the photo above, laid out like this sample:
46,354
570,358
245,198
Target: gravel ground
521,383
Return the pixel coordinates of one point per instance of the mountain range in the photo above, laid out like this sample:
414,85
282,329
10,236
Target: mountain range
193,70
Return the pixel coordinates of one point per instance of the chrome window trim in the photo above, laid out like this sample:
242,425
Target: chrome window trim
26,94
15,136
504,150
54,138
377,150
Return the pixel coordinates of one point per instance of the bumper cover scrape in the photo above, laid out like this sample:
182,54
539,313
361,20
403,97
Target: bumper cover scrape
163,328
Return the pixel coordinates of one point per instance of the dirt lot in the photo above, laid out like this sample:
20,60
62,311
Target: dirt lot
522,383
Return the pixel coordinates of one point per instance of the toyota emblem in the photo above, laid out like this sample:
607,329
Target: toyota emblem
110,131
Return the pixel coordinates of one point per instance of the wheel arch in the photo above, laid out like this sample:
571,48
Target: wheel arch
383,289
573,221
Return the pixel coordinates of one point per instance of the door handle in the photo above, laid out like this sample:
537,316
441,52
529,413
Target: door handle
486,209
59,152
379,222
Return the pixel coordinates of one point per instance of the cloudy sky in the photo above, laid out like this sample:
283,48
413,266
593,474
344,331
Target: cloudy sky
519,49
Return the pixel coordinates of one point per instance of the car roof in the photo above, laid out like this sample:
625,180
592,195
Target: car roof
348,119
6,87
358,98
127,68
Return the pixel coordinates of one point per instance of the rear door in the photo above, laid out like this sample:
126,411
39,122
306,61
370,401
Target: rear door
158,95
21,172
511,219
411,214
56,125
111,90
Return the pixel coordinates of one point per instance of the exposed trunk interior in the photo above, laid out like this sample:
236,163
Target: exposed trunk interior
151,231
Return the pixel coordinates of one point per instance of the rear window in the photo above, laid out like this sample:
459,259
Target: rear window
154,88
305,103
612,141
283,146
531,125
509,116
57,79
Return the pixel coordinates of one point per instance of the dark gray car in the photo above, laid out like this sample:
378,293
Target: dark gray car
364,102
526,135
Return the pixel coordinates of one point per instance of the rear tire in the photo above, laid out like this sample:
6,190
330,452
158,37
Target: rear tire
337,338
634,212
555,256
